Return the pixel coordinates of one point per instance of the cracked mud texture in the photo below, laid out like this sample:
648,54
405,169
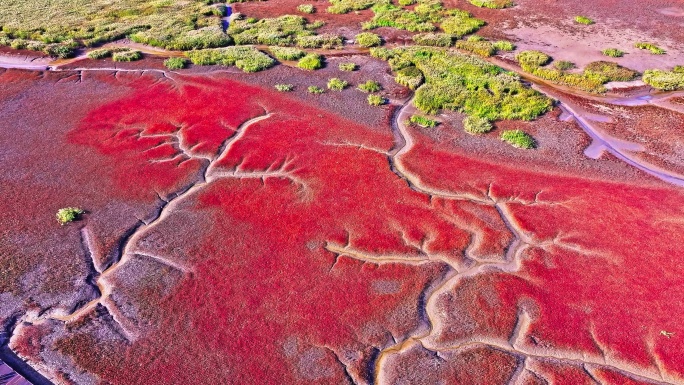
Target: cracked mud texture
237,235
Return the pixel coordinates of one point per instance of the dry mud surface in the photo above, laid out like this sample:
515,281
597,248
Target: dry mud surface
238,235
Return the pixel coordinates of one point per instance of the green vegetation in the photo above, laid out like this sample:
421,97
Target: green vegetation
336,84
284,87
433,39
583,20
312,61
477,45
127,55
370,86
405,3
613,52
410,77
665,80
592,79
475,125
368,39
503,45
103,53
63,26
651,47
175,63
280,31
346,6
530,60
306,8
461,23
467,84
287,53
315,90
563,65
68,214
518,139
423,18
422,121
376,100
493,4
348,67
248,59
325,40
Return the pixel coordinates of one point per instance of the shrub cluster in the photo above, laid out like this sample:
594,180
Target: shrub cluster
529,60
434,39
475,125
370,86
248,59
312,61
325,40
422,18
127,55
348,67
376,100
665,80
583,20
410,77
281,31
286,53
175,63
563,65
368,39
68,214
423,121
461,23
503,45
337,84
477,46
284,87
613,52
346,6
493,4
518,139
315,90
651,47
306,8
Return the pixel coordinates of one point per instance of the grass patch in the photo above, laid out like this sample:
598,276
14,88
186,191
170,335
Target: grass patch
306,8
311,62
503,45
592,79
85,23
518,139
493,4
410,77
326,40
461,23
104,53
583,20
248,59
278,31
476,125
376,100
529,60
613,52
433,39
368,39
127,56
337,84
370,86
665,80
467,84
423,121
68,214
346,6
477,46
286,53
651,47
175,63
563,65
315,90
284,87
348,67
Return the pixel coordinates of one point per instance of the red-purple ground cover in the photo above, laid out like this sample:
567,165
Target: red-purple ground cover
289,245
